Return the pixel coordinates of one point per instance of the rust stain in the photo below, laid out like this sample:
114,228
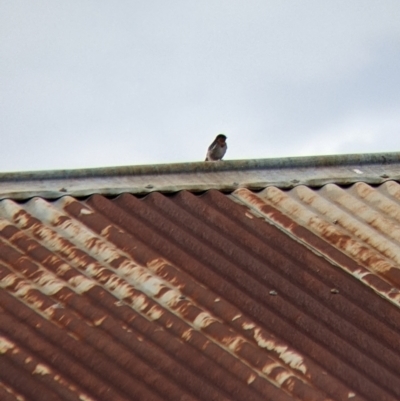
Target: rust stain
278,205
170,297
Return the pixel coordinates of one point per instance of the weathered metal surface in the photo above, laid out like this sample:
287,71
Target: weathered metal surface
361,221
229,175
187,297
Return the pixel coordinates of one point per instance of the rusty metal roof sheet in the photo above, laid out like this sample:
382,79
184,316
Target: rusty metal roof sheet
196,177
360,221
282,294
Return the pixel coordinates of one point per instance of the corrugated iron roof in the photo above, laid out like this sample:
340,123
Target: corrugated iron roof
360,221
283,294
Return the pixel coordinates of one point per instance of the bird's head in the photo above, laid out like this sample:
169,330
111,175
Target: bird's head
221,140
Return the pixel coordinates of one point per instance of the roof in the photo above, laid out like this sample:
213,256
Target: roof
288,293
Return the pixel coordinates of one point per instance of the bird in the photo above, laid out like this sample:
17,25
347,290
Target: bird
217,149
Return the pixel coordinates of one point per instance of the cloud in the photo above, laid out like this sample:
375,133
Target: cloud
99,84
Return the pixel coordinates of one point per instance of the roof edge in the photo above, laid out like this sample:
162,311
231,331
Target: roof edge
206,167
314,171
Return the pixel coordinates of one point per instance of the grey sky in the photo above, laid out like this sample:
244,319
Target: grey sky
101,83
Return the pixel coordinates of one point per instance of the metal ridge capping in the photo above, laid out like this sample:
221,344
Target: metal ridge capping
199,167
200,176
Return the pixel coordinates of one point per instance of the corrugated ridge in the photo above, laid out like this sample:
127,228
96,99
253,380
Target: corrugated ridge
81,331
361,221
187,309
297,214
63,293
203,213
158,240
192,247
186,297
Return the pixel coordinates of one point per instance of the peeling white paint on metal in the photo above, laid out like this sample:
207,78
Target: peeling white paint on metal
269,367
395,291
72,388
351,395
75,232
8,280
187,334
217,299
5,345
139,302
369,226
86,211
156,264
360,274
251,378
123,290
115,282
22,289
99,321
8,209
234,343
169,298
291,358
263,342
154,313
48,283
203,320
135,275
50,311
34,302
4,223
28,359
303,215
236,317
97,247
94,269
105,231
9,390
81,284
144,279
128,268
282,377
152,285
84,397
63,268
41,369
290,385
248,326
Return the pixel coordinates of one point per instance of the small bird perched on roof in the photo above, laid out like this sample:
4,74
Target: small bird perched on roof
217,149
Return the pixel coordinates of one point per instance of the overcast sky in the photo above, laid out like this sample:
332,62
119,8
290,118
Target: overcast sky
108,83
